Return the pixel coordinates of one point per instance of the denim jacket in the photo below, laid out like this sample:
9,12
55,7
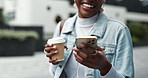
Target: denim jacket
112,36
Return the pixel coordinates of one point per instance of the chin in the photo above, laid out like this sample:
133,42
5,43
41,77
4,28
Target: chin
87,15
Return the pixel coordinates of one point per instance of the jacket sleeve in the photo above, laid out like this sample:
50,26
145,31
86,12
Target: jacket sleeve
57,30
52,67
113,74
124,54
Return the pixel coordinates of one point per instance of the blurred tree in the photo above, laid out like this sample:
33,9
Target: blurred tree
71,2
139,31
1,17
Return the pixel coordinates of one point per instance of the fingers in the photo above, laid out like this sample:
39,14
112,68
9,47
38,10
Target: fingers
81,57
51,54
51,60
54,61
80,53
95,59
78,58
49,48
99,49
87,49
83,61
46,45
50,51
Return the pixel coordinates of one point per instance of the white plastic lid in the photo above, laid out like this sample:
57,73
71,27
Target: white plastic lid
56,40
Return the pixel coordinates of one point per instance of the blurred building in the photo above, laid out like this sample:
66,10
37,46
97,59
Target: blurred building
44,12
140,6
1,10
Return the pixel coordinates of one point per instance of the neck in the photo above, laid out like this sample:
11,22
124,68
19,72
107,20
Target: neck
87,21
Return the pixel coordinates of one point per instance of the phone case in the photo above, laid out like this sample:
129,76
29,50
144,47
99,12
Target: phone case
91,42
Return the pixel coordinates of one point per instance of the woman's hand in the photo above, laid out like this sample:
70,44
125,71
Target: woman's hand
92,58
49,54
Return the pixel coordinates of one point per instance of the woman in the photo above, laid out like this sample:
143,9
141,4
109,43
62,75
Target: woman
113,57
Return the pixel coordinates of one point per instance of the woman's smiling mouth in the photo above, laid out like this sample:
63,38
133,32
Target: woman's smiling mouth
88,5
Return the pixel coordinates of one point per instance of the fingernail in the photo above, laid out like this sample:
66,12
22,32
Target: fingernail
49,44
55,59
73,49
56,52
54,47
82,45
74,53
45,52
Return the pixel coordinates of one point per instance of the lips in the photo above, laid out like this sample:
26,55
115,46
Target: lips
88,8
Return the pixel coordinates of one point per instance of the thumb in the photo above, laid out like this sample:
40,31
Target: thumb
99,49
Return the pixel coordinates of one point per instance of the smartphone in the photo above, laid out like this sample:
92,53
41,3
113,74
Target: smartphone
91,41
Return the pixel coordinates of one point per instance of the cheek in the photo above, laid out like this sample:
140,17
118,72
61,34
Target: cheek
77,3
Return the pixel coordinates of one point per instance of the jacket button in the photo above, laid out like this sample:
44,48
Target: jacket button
89,75
60,66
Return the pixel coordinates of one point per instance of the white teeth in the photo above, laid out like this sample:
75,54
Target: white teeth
87,5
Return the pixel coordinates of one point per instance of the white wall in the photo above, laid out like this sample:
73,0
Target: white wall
9,5
34,12
23,13
115,12
141,17
121,13
57,8
1,3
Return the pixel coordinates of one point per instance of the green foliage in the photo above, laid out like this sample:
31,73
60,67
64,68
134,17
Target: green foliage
1,16
139,31
19,34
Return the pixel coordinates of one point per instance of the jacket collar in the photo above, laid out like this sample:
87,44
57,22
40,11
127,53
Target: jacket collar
99,29
100,26
69,24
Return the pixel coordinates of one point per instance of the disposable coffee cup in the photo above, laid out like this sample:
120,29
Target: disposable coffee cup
91,41
59,43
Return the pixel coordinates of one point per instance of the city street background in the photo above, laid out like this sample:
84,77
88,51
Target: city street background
37,66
